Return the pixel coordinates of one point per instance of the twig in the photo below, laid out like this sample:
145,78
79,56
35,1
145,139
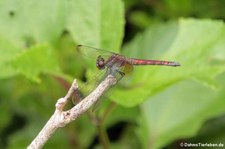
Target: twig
60,118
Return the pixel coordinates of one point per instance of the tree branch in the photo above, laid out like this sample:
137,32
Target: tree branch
60,118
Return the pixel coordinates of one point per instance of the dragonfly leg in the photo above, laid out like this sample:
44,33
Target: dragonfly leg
122,74
116,73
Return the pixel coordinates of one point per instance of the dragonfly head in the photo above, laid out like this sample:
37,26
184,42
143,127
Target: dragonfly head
100,63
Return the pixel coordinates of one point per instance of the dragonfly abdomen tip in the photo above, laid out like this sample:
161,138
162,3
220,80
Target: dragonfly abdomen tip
175,64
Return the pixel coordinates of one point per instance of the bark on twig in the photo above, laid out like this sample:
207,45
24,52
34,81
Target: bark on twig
60,118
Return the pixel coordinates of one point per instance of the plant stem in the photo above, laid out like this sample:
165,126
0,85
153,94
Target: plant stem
103,137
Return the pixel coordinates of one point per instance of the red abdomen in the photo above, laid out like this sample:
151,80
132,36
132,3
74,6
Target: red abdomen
152,62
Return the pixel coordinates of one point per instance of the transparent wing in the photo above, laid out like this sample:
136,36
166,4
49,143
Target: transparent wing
89,87
88,52
91,51
90,55
85,89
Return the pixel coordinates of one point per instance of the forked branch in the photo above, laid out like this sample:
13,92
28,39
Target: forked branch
60,118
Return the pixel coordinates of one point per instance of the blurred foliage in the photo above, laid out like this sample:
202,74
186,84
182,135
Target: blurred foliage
154,107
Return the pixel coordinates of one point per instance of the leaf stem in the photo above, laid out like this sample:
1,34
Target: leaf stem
103,136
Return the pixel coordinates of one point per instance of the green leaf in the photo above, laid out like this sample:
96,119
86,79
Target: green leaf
211,131
97,23
29,22
193,43
35,60
179,111
8,51
24,137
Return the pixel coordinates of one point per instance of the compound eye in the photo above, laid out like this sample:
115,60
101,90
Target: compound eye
100,63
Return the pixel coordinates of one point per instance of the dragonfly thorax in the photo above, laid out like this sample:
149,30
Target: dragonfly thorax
100,63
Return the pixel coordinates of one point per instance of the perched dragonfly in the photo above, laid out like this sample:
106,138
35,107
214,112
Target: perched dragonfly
114,64
118,64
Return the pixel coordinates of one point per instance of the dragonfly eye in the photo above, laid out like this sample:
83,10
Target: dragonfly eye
100,63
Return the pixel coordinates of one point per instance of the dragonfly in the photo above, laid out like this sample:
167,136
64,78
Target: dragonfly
115,63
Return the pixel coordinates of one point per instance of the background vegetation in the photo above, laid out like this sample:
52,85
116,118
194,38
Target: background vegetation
156,107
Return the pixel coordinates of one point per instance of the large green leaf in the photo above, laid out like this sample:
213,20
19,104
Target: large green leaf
29,22
97,23
179,111
30,63
193,43
44,21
